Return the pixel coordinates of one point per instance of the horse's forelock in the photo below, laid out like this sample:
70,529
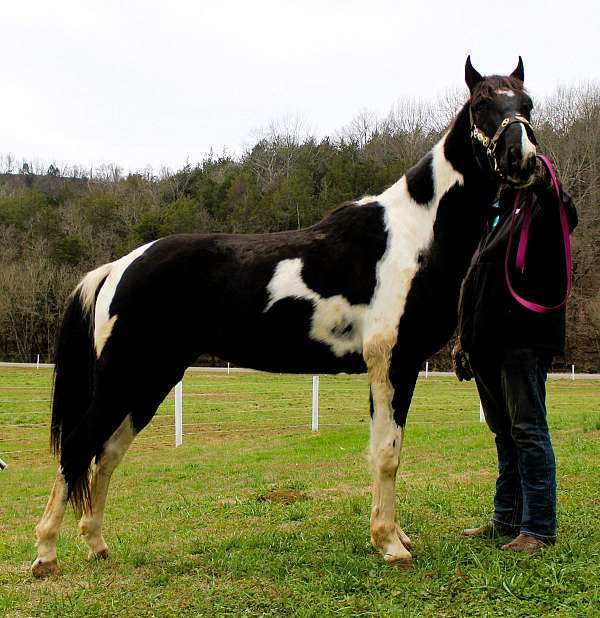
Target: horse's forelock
491,84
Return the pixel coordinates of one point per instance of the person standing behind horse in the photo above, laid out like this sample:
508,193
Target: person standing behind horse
508,347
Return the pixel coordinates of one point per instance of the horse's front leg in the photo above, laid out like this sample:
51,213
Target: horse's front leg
387,429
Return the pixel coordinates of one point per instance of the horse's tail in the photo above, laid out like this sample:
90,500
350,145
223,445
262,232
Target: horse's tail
74,364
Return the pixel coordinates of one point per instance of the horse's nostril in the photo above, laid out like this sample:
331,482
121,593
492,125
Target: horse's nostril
530,163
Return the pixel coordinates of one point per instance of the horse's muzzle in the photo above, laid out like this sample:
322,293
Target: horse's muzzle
519,168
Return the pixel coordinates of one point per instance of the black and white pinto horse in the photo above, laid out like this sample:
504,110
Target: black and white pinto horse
374,286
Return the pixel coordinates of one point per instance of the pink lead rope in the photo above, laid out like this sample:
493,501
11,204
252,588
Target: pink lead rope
522,248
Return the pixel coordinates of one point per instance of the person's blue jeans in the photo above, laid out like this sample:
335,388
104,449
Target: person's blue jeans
512,389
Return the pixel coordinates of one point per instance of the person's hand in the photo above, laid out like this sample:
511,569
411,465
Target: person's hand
460,362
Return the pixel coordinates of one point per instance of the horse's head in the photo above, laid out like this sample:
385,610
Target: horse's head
503,140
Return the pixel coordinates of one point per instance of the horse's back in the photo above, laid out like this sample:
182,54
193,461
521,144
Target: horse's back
287,301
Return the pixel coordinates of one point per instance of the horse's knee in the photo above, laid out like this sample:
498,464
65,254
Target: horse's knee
385,458
45,531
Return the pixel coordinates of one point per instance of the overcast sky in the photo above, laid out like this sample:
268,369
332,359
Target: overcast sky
138,83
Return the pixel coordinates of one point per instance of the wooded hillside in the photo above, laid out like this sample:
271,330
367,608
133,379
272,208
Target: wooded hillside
56,224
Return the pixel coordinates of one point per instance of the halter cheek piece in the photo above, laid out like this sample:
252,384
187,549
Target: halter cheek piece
490,143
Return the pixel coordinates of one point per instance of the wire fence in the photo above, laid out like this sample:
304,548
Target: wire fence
218,406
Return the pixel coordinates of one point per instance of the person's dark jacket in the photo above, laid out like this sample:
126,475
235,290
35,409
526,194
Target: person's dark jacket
489,317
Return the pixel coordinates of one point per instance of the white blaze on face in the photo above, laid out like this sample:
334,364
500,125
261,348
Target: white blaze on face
527,146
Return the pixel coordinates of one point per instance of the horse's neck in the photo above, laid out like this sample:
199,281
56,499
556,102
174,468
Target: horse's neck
449,191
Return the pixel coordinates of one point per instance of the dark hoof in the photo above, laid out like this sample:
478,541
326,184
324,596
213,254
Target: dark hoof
101,555
42,569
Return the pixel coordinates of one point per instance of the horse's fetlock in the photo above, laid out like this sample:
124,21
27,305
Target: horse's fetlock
382,532
88,528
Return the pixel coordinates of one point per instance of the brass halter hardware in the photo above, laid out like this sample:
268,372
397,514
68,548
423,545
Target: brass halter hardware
490,143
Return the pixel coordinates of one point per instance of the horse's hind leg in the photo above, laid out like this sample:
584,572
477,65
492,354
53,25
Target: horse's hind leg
48,528
113,451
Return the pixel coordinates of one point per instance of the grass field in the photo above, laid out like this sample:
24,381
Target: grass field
204,530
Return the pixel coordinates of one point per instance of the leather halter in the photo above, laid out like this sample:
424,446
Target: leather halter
490,143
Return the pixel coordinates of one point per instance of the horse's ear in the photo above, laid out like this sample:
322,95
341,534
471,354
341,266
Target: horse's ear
519,72
472,76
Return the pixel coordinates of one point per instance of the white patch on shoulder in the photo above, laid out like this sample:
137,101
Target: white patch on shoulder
506,92
335,322
410,231
409,225
102,328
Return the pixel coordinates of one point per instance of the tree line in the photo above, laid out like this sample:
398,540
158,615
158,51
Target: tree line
58,222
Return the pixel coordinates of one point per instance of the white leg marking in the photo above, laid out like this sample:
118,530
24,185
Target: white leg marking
48,528
384,455
90,525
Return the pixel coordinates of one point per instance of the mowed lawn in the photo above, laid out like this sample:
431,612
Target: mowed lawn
255,515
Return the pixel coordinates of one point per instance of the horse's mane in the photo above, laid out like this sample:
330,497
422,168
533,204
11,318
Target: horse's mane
486,89
333,211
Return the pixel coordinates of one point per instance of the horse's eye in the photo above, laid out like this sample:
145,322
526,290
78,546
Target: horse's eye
478,105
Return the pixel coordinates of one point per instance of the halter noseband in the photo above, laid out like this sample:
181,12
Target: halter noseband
490,143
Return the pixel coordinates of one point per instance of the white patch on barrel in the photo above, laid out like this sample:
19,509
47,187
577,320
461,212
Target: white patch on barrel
335,322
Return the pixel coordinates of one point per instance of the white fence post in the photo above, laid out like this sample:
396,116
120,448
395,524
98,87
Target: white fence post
178,414
227,368
315,404
427,369
37,364
481,414
572,372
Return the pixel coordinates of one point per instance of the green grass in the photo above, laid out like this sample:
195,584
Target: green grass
193,533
